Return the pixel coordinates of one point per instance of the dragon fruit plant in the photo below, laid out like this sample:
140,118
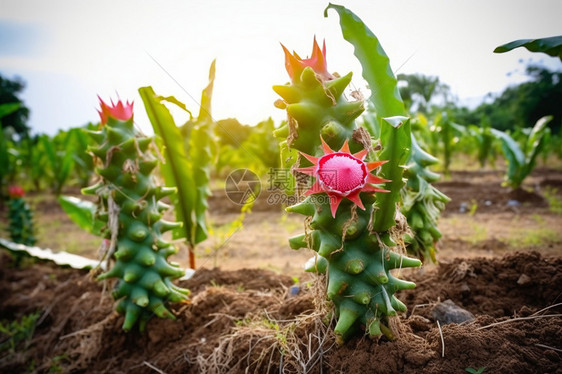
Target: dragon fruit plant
422,203
352,230
20,216
130,203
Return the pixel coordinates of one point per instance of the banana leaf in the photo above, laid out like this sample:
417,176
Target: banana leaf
82,212
177,169
552,46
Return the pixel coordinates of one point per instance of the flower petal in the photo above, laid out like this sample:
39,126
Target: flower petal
356,199
376,180
310,158
335,201
376,164
345,147
325,147
316,188
371,188
308,170
361,154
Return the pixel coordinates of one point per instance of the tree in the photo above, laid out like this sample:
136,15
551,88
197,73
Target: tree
17,120
417,91
524,104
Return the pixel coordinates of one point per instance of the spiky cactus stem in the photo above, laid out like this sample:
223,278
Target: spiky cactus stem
422,204
130,202
356,258
20,217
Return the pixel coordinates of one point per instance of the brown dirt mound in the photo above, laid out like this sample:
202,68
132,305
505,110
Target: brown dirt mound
246,320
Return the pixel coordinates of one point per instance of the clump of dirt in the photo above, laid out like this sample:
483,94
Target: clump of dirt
251,321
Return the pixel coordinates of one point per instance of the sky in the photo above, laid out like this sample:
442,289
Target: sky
69,51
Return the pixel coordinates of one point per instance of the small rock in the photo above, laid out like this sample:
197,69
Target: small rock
448,312
513,203
523,279
465,289
463,207
487,203
294,291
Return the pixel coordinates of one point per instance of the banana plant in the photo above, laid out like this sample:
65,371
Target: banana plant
259,151
59,152
422,202
522,160
483,138
448,134
188,160
6,166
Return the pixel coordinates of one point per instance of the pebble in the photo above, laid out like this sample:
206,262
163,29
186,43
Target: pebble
448,312
523,279
513,203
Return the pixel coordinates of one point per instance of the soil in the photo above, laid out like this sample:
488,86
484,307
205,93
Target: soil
259,313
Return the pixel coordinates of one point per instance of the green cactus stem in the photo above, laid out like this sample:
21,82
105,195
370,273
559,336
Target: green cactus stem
130,202
20,218
422,202
342,213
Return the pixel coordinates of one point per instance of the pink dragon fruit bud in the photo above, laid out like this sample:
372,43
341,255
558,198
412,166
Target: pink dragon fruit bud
15,192
120,111
317,61
342,174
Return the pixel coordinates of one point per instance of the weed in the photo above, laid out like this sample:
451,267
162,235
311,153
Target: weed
56,367
554,201
15,332
476,371
479,233
532,237
473,207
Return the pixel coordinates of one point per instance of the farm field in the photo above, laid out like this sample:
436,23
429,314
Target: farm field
373,220
499,260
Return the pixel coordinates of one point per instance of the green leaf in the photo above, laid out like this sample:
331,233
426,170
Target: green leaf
177,169
552,46
375,64
8,108
536,142
396,143
206,96
82,212
514,156
201,156
173,100
201,153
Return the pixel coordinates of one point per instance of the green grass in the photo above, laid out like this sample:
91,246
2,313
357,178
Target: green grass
535,237
12,333
554,200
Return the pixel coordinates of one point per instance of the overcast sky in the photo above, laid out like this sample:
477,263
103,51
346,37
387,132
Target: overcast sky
69,51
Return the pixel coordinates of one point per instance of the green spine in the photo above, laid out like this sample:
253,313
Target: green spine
144,275
21,222
356,260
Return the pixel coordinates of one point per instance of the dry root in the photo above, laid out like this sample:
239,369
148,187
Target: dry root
261,343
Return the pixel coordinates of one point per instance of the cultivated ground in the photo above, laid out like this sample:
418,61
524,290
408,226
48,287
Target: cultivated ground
500,259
